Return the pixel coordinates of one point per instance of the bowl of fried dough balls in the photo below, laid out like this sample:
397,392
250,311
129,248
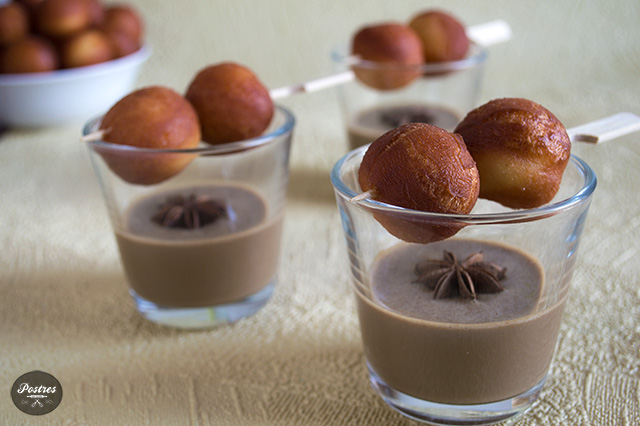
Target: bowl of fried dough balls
64,61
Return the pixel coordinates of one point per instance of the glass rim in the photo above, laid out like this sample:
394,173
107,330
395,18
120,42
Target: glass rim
477,55
523,215
225,148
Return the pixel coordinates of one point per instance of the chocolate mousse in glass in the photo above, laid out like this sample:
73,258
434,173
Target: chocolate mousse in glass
441,96
201,248
462,330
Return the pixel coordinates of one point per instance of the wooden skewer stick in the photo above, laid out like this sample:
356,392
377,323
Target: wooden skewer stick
486,34
93,136
489,33
602,130
364,196
605,129
313,85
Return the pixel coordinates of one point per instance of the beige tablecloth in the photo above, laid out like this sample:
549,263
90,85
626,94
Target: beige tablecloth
64,306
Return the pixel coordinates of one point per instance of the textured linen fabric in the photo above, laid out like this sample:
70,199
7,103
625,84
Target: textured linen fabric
64,306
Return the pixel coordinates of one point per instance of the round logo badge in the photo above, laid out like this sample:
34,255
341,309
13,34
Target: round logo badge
36,393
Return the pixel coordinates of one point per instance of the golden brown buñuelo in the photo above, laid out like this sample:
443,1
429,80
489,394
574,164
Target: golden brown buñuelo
151,117
521,150
422,167
393,55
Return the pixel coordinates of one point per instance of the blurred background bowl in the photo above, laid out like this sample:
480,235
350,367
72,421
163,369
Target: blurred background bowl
68,95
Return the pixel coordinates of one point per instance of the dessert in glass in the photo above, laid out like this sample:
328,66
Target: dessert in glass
198,228
459,308
425,71
440,97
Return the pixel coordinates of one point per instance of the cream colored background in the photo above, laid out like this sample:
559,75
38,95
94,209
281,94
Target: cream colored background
64,307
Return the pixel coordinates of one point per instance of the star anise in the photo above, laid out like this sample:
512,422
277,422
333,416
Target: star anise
449,277
398,117
189,212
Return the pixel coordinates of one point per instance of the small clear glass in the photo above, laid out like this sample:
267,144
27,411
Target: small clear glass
214,274
442,96
458,362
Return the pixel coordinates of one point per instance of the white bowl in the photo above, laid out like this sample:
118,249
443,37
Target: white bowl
69,95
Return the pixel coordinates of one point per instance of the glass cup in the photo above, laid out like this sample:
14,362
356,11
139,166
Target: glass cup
453,360
442,96
189,276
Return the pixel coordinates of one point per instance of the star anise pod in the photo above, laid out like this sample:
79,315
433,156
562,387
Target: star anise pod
398,117
449,277
189,212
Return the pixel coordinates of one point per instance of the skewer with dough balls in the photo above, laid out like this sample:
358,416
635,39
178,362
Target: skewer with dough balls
422,167
521,150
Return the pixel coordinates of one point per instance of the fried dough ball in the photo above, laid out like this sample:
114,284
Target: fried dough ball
443,36
231,102
122,44
31,54
14,23
90,47
59,19
393,55
419,166
96,12
152,117
521,150
123,19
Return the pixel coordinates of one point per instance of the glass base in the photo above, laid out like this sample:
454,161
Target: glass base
450,414
204,317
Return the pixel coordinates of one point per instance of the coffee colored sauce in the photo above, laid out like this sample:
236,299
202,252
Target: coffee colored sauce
222,262
458,351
